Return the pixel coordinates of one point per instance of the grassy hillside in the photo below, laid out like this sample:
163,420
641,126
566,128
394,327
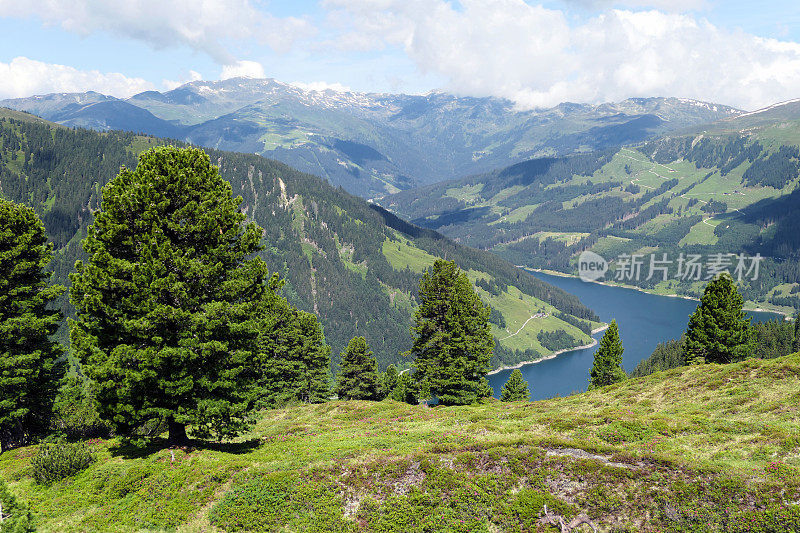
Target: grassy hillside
707,448
351,262
693,194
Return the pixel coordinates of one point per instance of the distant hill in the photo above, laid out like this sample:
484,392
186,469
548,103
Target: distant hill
353,263
708,448
372,144
730,188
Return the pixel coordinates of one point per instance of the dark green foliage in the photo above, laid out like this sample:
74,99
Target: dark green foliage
497,318
14,516
75,411
607,368
293,357
452,341
56,461
388,381
771,339
168,300
796,342
669,354
768,340
718,331
714,206
577,322
556,340
407,390
358,377
775,170
515,389
29,367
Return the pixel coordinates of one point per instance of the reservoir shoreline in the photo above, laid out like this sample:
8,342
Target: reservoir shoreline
786,315
644,319
592,344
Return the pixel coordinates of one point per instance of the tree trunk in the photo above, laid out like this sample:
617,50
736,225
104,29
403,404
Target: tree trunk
177,433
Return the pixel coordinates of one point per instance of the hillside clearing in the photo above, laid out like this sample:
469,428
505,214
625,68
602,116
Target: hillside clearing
708,448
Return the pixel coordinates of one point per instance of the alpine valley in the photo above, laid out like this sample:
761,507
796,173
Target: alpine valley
352,263
729,187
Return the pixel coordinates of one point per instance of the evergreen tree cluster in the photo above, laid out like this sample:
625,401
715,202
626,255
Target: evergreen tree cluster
326,245
179,324
720,333
30,367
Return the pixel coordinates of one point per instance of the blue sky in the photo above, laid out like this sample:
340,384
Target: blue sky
536,53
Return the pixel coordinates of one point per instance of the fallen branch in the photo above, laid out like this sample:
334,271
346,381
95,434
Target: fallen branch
555,519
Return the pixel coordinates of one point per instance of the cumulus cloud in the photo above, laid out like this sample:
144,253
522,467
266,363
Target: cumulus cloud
539,57
204,25
23,77
244,69
174,84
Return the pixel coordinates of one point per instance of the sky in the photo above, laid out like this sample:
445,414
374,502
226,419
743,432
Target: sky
538,54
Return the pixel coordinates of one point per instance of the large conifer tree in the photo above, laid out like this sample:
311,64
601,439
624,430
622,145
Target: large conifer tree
607,368
718,331
516,388
452,340
29,368
358,377
168,300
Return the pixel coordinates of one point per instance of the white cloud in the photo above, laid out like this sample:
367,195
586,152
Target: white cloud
204,25
540,57
321,86
174,84
245,69
663,5
23,77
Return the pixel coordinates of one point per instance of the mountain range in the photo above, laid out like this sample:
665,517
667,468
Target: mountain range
372,144
351,262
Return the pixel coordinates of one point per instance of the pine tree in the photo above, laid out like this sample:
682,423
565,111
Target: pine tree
796,342
515,389
29,370
718,331
358,378
388,381
293,358
168,300
452,341
607,368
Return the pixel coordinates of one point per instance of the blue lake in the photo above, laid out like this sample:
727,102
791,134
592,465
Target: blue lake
644,320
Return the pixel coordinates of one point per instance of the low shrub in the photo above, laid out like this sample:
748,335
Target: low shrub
14,516
56,461
74,413
280,501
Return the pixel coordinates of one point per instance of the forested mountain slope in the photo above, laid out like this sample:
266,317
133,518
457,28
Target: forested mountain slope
351,262
372,144
708,448
700,193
